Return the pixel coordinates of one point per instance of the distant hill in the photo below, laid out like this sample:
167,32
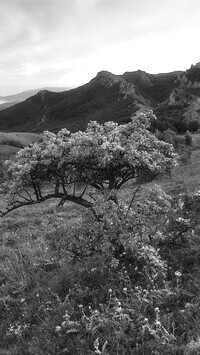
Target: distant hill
10,100
174,97
5,105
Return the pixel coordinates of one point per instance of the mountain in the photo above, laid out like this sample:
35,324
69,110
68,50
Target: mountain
10,100
4,105
156,87
106,97
174,97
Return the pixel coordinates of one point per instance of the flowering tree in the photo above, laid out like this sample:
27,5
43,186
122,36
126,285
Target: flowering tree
75,166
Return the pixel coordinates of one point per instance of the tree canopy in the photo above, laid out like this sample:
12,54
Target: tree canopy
75,166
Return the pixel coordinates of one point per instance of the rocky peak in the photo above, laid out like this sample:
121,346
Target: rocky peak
42,93
191,77
140,78
108,80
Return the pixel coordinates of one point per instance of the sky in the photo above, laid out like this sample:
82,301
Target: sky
65,43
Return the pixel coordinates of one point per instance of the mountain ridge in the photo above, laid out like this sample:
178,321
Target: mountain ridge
172,96
13,99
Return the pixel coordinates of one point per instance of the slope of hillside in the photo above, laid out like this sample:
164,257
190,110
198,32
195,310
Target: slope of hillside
18,139
21,96
6,105
11,100
10,143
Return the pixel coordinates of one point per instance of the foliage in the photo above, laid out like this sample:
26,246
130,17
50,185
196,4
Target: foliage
117,283
188,139
194,126
74,166
183,145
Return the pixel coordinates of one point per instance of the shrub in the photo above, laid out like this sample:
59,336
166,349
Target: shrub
78,166
193,126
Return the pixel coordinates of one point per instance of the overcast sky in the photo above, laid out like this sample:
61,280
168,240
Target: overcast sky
66,42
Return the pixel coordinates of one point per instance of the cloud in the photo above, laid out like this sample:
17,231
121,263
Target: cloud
44,38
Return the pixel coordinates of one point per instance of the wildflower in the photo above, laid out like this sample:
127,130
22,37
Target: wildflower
96,345
22,300
178,274
80,306
189,305
66,315
58,328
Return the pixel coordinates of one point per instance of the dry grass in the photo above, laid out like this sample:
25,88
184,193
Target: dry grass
8,149
10,143
23,232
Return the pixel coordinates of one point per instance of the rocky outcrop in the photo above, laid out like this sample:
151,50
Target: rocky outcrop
126,89
191,77
176,97
192,113
108,80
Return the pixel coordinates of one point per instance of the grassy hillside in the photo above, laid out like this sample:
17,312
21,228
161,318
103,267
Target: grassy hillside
52,303
10,143
18,139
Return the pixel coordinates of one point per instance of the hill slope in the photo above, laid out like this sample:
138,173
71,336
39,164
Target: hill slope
10,100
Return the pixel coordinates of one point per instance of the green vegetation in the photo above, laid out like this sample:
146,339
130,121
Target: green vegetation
10,143
79,166
119,277
183,144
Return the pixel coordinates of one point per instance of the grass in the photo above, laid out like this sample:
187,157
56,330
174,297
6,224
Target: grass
10,143
27,258
8,149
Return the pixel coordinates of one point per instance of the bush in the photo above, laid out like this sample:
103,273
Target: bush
77,166
193,126
117,284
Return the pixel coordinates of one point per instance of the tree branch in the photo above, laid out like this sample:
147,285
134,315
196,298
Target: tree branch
17,204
